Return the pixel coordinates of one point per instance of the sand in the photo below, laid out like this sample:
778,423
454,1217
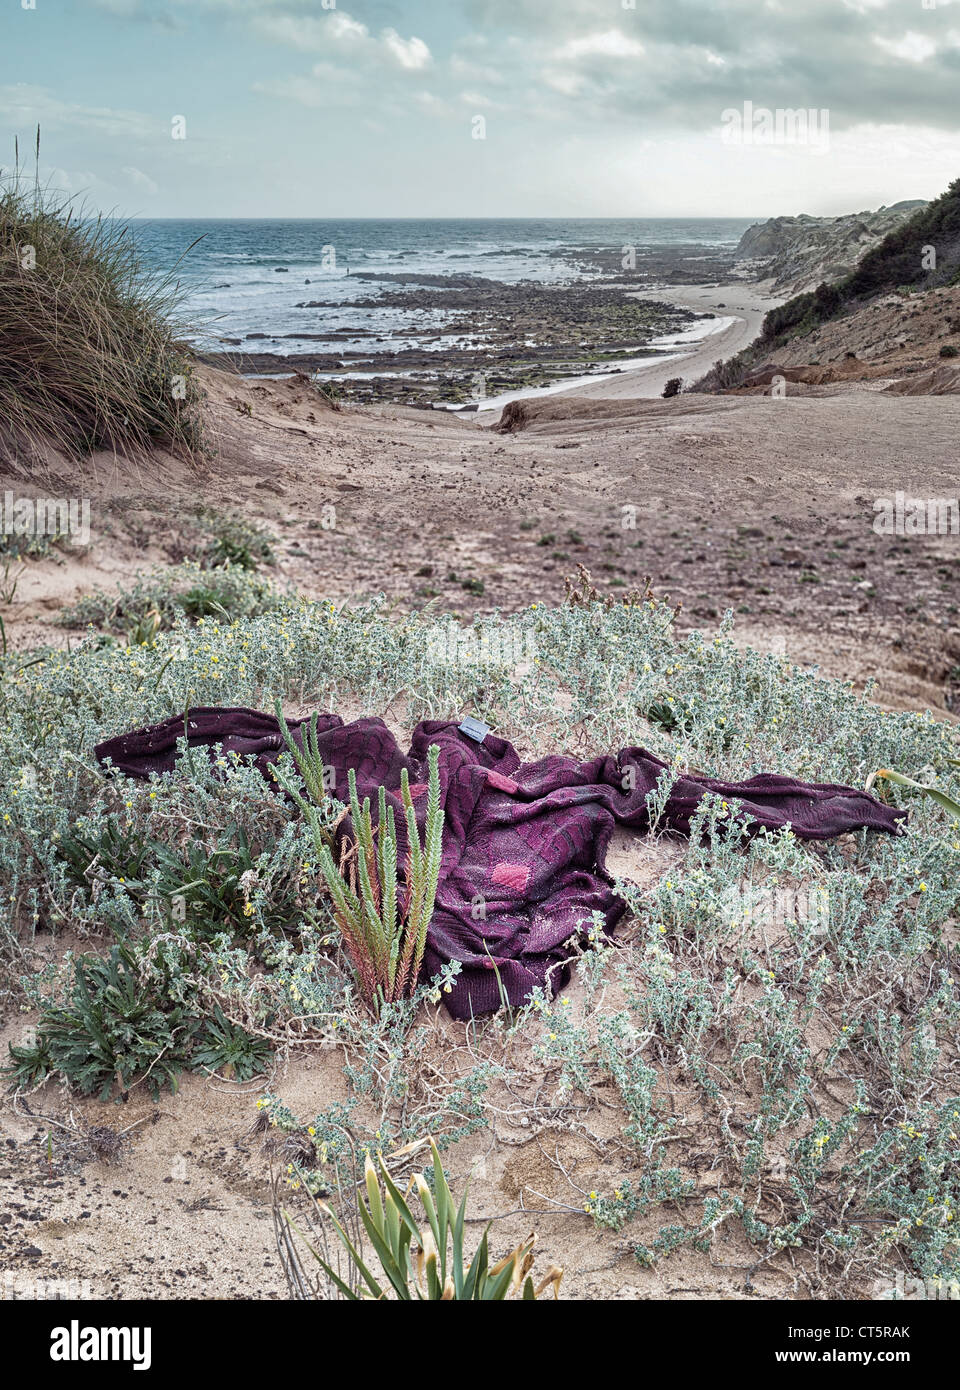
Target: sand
725,501
184,1208
746,304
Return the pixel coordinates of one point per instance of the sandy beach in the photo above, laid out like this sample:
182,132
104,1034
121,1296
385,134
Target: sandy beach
689,352
745,304
464,513
183,1211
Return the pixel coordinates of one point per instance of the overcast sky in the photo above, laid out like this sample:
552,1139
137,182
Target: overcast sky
590,108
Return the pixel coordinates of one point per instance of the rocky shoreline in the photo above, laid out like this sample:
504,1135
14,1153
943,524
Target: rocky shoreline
468,338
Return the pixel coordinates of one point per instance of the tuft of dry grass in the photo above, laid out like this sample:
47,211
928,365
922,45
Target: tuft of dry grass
87,337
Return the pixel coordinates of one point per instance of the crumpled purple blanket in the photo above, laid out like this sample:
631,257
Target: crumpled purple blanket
524,844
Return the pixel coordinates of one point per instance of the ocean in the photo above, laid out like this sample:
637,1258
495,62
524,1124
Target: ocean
255,277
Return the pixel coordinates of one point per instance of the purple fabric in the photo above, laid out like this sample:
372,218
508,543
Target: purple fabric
524,844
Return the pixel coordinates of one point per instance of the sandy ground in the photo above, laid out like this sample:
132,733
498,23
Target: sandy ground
182,1209
758,504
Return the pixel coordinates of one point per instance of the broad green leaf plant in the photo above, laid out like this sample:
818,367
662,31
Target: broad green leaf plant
899,779
423,1260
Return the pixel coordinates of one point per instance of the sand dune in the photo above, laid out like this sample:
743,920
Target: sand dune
761,505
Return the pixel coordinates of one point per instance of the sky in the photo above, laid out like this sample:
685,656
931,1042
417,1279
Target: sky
484,108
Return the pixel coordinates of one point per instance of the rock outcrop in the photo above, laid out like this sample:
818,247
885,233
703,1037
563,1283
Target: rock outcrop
798,253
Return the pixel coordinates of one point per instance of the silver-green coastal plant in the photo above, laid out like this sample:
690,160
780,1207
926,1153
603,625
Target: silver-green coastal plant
163,594
809,1042
383,924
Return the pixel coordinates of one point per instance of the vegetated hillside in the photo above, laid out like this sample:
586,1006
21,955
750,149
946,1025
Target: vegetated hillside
798,253
910,340
922,254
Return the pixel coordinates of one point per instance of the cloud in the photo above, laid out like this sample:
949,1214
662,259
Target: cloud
326,86
168,11
32,105
699,58
341,26
568,84
610,44
432,105
138,11
358,67
339,33
476,99
311,34
71,181
602,108
409,53
141,181
476,72
912,48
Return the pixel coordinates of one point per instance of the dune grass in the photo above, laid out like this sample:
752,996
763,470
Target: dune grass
88,340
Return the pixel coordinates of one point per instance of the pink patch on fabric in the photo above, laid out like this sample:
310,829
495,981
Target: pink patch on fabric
502,784
418,788
513,876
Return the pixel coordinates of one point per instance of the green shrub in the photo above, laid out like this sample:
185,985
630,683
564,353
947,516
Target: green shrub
111,1029
224,1047
154,600
122,1020
113,851
203,889
27,547
231,540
